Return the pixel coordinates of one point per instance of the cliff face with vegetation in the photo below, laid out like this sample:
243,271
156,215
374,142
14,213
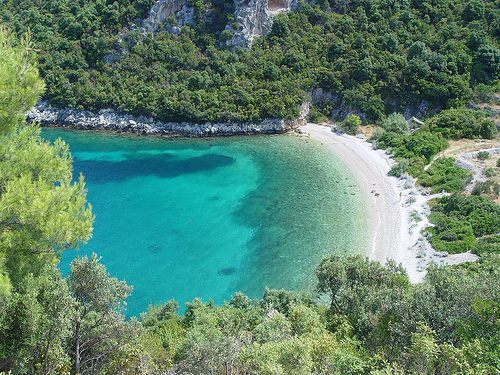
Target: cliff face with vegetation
251,18
177,11
254,18
374,58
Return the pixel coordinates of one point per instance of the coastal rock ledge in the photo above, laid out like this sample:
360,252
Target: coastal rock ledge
110,120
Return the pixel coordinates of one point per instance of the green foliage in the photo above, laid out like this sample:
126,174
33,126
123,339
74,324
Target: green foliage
377,57
99,326
451,234
490,172
37,323
399,169
483,155
462,123
360,289
396,123
487,245
41,211
350,124
486,93
444,175
417,148
20,85
459,220
488,187
316,116
423,351
418,326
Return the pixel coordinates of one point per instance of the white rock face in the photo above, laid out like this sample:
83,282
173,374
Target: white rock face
255,18
108,119
163,10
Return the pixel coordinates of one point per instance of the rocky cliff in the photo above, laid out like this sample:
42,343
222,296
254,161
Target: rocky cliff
251,18
255,18
173,14
112,121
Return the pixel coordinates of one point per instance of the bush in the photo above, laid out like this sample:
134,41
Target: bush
444,175
486,93
424,143
454,214
416,165
488,187
350,124
418,148
459,123
487,245
451,234
482,155
490,172
316,116
396,123
399,169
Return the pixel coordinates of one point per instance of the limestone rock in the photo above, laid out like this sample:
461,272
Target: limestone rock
163,10
255,18
108,119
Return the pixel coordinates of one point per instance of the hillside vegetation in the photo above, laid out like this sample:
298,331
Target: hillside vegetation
375,56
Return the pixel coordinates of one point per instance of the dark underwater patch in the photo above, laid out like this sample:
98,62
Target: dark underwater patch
163,166
227,271
155,248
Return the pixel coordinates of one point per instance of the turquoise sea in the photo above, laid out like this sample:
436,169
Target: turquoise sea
180,219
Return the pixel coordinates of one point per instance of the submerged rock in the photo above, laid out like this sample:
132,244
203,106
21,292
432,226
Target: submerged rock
154,249
227,271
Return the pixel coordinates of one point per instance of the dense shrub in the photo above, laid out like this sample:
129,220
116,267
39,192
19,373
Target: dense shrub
459,123
399,168
350,124
417,148
487,245
451,234
444,175
460,219
395,122
487,93
490,172
377,58
487,187
482,155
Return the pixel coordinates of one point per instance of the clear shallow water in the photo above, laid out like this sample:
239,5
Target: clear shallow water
180,219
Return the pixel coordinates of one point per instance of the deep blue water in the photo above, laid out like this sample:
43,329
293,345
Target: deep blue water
180,219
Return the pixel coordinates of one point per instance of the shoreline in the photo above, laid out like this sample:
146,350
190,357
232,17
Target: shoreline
110,120
397,208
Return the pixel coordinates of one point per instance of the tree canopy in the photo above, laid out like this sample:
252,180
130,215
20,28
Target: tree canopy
375,56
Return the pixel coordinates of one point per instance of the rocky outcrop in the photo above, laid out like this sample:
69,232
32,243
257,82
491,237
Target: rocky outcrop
251,18
170,13
110,120
255,18
340,109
